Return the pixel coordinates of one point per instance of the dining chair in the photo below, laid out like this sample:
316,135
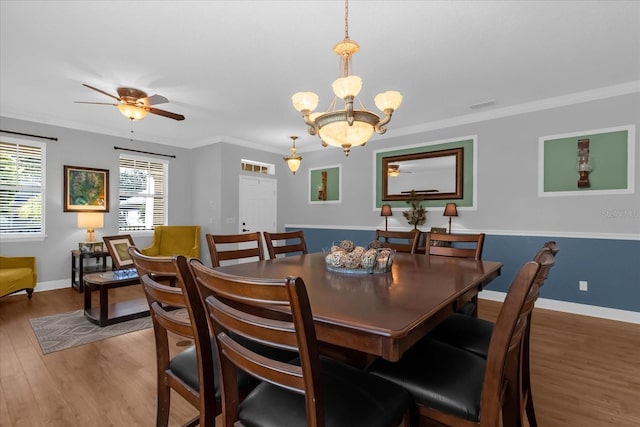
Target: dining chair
401,241
454,387
456,245
191,371
459,246
294,243
225,247
474,334
307,391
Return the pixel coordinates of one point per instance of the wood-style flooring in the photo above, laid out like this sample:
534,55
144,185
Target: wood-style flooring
586,371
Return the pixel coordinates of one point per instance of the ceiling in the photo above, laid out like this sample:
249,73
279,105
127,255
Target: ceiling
231,66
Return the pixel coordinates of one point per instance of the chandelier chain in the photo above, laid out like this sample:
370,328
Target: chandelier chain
346,19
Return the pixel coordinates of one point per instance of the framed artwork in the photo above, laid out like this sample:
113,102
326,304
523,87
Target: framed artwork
587,163
325,185
118,247
86,189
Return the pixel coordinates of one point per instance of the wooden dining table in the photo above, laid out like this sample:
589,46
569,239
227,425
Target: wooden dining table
380,314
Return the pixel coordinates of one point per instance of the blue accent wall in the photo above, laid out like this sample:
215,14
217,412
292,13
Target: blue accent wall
610,266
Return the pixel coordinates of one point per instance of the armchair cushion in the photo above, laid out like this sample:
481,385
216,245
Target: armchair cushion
173,240
17,274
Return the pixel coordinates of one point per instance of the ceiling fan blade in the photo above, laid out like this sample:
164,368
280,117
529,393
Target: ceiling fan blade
101,91
163,113
157,99
98,103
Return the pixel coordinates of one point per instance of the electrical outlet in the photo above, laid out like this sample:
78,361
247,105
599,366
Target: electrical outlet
583,285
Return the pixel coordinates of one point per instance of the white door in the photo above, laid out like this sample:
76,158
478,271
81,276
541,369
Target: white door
257,208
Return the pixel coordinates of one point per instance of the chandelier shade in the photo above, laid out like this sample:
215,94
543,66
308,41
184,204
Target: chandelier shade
347,127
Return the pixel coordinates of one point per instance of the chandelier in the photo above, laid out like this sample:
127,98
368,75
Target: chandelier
349,127
293,160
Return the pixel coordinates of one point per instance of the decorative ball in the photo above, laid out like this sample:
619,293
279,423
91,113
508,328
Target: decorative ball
335,259
383,258
375,244
369,259
335,248
352,260
347,245
359,250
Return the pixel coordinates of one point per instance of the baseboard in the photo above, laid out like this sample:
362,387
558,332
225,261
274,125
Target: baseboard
572,307
53,284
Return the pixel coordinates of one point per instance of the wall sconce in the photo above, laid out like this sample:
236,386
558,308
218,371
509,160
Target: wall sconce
386,213
90,221
451,209
584,163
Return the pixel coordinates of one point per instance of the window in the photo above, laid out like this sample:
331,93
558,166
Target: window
257,167
21,188
143,193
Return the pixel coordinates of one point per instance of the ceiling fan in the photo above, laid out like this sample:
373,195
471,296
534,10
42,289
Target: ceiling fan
394,170
134,103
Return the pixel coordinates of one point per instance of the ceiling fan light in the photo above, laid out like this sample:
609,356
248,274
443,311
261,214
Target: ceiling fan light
389,100
303,101
132,112
347,86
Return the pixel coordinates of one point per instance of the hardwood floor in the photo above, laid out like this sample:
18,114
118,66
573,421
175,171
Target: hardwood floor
586,371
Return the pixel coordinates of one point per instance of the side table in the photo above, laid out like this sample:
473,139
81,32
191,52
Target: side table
79,267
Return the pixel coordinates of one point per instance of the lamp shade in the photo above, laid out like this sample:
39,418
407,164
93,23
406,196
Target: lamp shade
347,86
389,100
303,101
450,210
90,220
132,112
386,210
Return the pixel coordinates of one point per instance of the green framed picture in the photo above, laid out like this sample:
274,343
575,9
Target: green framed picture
592,162
86,189
325,185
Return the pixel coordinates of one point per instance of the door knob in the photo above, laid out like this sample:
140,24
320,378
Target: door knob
245,229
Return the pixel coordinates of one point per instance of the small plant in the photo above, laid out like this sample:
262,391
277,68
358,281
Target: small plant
417,215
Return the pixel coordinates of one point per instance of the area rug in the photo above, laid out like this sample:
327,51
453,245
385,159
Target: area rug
66,330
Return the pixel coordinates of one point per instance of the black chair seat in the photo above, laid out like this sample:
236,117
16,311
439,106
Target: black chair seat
352,398
439,376
185,366
470,333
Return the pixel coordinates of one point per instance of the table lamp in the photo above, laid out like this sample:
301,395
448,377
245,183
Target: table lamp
386,213
90,221
450,210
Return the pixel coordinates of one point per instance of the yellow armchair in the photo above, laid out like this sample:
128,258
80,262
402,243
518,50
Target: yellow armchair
172,240
18,274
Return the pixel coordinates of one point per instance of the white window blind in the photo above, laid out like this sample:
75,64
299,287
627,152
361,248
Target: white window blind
143,192
21,188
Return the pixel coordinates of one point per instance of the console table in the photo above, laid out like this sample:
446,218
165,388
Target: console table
80,266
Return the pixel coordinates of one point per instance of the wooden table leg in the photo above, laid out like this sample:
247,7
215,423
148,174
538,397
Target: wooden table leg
104,306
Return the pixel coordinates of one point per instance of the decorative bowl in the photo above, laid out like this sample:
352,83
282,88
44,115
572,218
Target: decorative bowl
345,257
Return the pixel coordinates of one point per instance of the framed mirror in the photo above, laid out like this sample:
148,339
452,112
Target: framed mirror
435,175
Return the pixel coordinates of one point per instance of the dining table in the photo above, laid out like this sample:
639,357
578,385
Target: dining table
378,314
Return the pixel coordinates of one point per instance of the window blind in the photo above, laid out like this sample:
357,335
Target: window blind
143,184
21,188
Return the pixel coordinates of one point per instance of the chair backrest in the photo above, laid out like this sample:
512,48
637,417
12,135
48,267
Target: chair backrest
401,241
224,247
294,242
546,257
275,313
172,310
501,391
455,245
